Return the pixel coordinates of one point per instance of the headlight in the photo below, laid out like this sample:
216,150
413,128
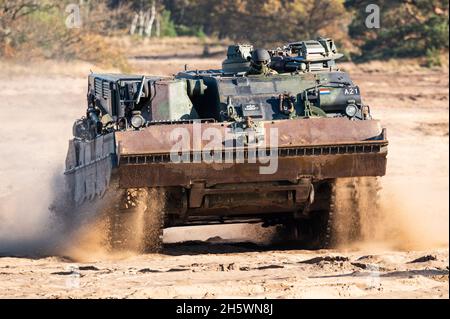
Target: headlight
351,110
137,121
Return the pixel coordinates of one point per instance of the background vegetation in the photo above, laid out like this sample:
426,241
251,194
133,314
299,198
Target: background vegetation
37,28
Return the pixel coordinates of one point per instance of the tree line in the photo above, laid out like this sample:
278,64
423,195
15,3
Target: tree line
407,27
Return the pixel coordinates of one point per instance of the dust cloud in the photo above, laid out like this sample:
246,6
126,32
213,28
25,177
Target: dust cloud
33,143
389,214
413,215
119,225
26,223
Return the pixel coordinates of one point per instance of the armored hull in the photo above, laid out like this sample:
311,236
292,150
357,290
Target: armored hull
224,147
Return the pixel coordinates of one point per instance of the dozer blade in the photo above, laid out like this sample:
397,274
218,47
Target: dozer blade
314,148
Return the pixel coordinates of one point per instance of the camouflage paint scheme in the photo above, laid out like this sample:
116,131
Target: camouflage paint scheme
308,101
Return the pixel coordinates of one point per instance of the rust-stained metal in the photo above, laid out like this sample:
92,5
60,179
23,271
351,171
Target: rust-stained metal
320,148
295,132
290,168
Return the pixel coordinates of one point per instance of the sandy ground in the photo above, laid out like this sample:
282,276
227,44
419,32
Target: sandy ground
411,261
184,272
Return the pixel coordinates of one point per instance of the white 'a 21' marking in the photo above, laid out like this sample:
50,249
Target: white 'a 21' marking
351,91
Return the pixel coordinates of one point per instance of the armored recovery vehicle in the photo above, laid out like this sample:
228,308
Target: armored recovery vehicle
265,139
